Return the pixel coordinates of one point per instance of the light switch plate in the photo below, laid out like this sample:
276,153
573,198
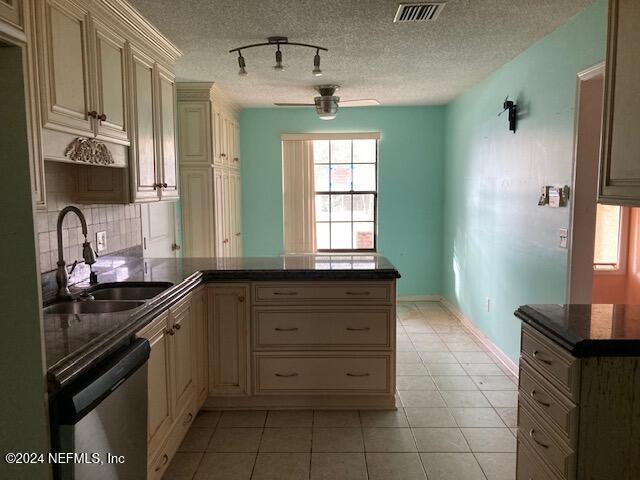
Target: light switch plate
101,241
563,233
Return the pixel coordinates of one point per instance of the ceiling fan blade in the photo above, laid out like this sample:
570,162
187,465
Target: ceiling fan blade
295,104
363,102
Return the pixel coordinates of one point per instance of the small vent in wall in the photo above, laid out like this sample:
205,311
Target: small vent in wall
418,12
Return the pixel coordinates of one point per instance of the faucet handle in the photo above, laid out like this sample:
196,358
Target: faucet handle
73,267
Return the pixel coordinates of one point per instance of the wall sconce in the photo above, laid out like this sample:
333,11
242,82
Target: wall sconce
511,106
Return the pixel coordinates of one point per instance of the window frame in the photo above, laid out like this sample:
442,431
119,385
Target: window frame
351,192
623,245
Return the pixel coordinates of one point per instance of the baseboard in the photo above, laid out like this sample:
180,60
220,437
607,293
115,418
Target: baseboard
419,298
509,364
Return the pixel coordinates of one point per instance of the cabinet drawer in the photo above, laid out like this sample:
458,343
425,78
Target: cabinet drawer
321,292
346,327
561,369
314,374
555,453
552,405
529,466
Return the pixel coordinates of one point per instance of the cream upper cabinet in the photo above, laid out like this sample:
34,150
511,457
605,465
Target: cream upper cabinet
12,13
168,160
218,144
145,176
620,162
66,92
111,101
228,330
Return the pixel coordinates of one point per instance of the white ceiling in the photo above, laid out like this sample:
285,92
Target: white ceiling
369,55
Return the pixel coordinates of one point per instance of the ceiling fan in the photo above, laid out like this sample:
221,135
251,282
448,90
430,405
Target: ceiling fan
327,103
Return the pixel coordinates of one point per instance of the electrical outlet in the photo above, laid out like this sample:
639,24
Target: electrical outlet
101,241
488,304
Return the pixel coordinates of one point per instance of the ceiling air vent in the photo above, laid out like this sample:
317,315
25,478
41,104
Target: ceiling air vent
418,12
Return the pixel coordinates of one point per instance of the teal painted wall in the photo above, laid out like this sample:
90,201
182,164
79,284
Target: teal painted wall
410,195
498,243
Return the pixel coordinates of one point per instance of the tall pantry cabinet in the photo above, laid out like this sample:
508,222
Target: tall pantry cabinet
209,158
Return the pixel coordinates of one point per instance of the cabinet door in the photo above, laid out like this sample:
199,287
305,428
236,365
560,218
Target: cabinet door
183,361
234,214
224,139
620,163
194,133
11,12
221,232
227,213
167,134
228,339
143,151
111,100
197,220
238,214
160,409
64,70
236,139
217,136
200,342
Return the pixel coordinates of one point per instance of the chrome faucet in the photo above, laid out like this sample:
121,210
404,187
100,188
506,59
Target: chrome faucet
62,277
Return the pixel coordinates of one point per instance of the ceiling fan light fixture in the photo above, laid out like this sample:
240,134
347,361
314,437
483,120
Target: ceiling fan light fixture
241,64
278,66
316,65
327,107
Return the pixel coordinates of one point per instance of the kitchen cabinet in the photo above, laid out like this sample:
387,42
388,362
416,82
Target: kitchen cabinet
210,175
201,344
619,166
166,141
228,330
12,13
182,325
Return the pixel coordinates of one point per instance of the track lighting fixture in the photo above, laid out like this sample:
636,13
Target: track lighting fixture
279,66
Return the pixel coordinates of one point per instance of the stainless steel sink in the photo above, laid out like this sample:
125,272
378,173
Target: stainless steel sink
90,306
129,291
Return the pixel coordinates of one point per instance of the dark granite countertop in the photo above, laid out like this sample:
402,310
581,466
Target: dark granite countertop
73,343
587,330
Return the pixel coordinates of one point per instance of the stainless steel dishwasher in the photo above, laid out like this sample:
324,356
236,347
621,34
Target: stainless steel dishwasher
99,423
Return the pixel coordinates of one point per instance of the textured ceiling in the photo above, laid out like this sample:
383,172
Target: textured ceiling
369,55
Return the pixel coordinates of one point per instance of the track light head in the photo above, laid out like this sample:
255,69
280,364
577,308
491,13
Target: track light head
242,72
316,65
278,66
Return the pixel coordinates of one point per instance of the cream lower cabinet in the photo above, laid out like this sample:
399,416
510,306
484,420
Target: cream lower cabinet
228,326
201,344
173,380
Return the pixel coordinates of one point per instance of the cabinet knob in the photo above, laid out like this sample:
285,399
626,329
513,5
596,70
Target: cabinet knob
226,240
177,326
170,332
165,460
223,154
165,185
241,299
93,114
102,117
187,420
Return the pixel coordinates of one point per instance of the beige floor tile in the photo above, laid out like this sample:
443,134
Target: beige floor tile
498,466
440,440
206,419
424,337
451,466
465,399
456,338
437,357
473,357
196,440
394,466
408,357
411,369
508,415
494,382
338,466
418,328
508,399
482,369
405,347
421,398
336,418
388,440
439,369
436,346
477,417
183,466
447,327
236,440
225,466
454,382
337,440
415,382
290,418
464,347
384,418
288,439
490,439
430,417
281,466
243,418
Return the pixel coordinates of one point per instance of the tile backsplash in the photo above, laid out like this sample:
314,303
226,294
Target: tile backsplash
121,222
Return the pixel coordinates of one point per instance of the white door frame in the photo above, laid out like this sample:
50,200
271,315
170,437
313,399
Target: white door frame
584,191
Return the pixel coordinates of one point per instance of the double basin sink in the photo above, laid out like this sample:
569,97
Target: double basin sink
110,298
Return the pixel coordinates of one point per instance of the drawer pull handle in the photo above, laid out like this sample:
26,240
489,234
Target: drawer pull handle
285,293
292,329
357,374
286,375
358,293
536,355
363,329
533,395
532,434
188,419
165,460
